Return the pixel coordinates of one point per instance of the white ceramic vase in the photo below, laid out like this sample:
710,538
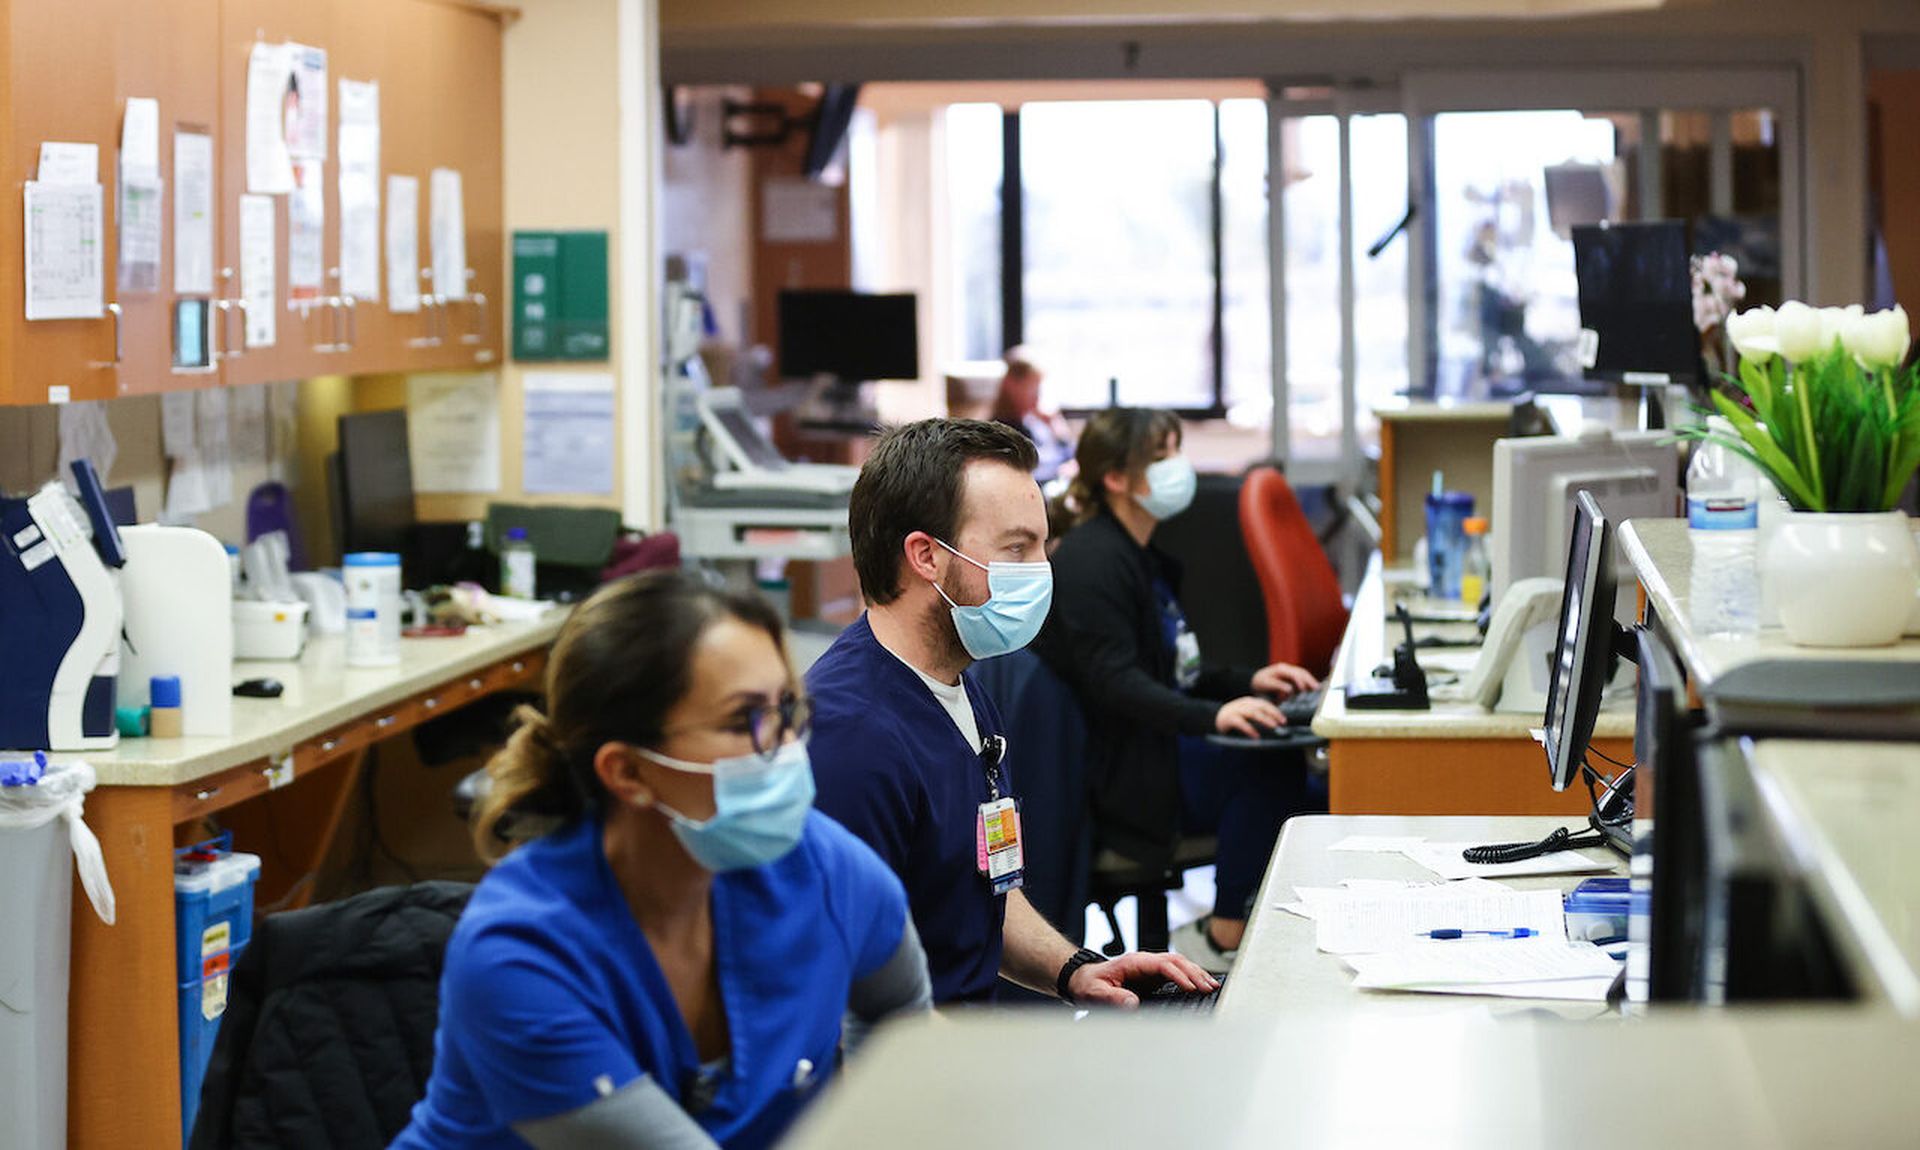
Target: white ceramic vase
1841,580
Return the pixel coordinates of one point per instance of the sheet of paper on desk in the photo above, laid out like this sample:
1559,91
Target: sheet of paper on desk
1309,897
1564,990
1378,844
1372,923
1489,962
1444,860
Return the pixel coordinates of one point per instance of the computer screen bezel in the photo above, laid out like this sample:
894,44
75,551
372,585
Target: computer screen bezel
1583,649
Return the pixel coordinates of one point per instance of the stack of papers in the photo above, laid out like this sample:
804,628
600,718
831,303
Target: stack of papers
1380,928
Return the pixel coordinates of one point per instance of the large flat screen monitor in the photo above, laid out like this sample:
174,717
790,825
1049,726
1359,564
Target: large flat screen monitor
375,482
1630,474
1636,297
1583,652
1669,873
852,336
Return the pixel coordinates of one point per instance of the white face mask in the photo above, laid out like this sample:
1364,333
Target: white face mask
1170,487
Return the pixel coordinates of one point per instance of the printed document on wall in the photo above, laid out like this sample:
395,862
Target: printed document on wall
304,106
192,213
84,434
176,424
64,238
360,189
448,235
271,108
257,288
403,244
453,432
64,163
567,433
215,445
249,410
306,230
140,197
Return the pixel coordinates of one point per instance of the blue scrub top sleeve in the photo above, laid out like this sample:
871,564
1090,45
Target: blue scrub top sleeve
529,1036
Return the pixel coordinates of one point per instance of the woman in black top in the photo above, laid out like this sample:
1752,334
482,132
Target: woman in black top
1117,635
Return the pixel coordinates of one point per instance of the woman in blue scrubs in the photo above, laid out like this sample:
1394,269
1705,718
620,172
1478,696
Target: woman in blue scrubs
667,960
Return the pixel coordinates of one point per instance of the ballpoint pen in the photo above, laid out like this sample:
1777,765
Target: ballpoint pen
1456,932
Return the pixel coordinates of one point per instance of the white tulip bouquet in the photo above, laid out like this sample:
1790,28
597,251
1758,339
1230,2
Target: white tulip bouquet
1825,404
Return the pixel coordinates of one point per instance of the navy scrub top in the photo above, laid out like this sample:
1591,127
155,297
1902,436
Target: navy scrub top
890,765
551,995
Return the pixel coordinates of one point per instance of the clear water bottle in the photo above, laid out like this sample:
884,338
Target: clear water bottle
1476,568
516,564
1723,519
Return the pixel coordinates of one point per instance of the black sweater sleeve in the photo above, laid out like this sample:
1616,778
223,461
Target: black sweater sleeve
1093,645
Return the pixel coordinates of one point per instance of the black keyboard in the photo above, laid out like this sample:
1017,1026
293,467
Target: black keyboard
1299,708
1171,996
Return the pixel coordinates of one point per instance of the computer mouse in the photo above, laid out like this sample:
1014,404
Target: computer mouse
259,689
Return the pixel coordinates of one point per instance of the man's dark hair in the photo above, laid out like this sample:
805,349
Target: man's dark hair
914,481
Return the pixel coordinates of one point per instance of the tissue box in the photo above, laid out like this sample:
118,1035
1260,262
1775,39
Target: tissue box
268,630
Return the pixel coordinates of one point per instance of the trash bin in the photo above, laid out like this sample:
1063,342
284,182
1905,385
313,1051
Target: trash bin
41,836
213,922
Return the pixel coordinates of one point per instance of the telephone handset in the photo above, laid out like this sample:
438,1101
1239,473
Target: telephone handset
1526,605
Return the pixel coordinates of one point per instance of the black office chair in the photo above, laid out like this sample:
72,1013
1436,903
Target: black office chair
1066,868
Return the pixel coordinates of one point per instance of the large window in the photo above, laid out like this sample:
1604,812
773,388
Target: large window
1138,266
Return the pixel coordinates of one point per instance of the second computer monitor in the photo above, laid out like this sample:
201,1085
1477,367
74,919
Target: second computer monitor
1630,474
852,336
1583,653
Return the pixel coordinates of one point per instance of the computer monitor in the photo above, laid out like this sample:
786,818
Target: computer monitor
375,482
1630,474
852,336
1583,652
1635,287
1668,866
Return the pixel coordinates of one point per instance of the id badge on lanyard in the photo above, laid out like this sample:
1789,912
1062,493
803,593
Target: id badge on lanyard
1000,856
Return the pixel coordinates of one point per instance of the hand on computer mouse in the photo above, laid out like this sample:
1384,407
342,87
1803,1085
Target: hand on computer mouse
1283,679
1247,716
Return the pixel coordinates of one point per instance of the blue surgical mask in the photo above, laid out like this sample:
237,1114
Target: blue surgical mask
760,807
1170,486
1018,595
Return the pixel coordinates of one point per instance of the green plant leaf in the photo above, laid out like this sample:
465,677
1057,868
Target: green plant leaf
1756,444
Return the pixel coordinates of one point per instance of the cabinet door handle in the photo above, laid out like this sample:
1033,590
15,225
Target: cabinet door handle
478,331
329,317
430,704
351,309
473,684
385,721
113,313
240,348
203,796
217,333
327,745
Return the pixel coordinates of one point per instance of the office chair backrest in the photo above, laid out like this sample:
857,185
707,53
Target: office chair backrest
328,1036
1305,612
1220,594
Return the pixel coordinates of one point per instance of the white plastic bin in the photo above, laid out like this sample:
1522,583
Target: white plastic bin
40,829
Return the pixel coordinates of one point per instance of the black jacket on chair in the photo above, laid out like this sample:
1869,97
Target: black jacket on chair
1104,637
328,1035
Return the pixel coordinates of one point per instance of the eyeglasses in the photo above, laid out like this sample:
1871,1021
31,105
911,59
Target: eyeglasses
768,725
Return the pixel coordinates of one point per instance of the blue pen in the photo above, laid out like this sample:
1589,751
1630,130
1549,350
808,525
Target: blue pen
1456,932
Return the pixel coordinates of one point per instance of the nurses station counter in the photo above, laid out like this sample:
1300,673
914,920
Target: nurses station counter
1454,759
281,781
1295,1055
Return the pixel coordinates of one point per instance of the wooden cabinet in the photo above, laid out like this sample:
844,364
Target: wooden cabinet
71,67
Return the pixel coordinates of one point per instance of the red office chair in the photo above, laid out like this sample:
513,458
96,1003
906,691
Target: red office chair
1305,612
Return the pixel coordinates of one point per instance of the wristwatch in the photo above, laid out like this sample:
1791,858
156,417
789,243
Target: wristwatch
1080,958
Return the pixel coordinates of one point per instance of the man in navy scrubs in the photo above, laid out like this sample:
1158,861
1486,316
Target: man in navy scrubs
949,541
